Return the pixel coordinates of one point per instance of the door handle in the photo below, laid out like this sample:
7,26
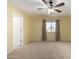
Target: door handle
20,40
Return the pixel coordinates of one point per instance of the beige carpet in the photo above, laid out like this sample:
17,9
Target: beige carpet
43,50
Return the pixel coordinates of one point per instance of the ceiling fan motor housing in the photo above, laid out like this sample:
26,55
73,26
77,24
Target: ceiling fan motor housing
52,2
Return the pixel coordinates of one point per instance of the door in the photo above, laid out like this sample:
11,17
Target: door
17,31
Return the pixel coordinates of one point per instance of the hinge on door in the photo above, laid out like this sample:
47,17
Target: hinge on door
20,19
20,30
20,40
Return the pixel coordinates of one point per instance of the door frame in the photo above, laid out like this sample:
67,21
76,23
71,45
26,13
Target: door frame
21,30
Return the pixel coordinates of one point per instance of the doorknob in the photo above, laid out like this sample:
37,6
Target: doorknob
20,40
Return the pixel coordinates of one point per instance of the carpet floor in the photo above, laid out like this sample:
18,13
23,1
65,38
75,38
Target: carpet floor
42,50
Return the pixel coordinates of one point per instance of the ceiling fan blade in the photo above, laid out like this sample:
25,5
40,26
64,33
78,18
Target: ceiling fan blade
44,1
61,4
39,8
57,10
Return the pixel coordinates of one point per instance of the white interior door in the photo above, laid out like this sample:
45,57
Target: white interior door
17,31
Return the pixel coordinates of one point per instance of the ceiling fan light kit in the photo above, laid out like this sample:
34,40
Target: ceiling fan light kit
50,11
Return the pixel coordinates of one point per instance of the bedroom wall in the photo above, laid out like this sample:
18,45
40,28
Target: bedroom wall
65,28
10,10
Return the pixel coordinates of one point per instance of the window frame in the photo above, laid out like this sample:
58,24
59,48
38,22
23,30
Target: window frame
51,23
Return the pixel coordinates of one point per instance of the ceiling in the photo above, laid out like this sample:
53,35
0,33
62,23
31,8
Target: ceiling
30,7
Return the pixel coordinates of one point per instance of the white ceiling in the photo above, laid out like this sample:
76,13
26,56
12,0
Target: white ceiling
30,7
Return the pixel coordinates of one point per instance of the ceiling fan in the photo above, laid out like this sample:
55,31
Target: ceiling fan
51,5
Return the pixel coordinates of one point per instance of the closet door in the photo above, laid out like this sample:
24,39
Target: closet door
17,31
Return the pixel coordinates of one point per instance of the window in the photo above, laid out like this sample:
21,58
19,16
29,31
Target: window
50,26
